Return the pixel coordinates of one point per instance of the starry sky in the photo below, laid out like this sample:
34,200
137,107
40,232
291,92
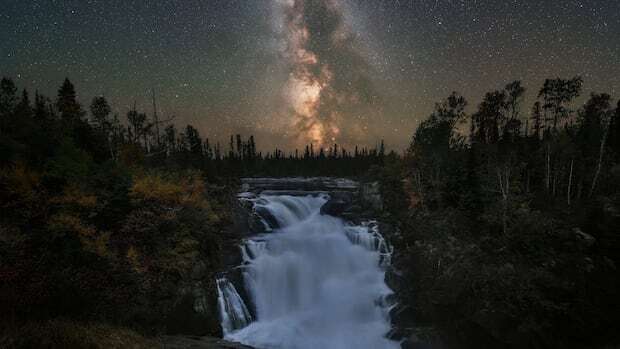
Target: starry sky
292,72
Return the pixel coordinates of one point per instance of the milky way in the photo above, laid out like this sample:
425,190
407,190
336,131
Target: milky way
327,80
292,72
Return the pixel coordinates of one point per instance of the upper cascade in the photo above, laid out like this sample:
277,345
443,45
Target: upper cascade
297,185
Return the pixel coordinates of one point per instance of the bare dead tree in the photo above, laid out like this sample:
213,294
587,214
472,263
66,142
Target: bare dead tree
601,153
570,182
503,177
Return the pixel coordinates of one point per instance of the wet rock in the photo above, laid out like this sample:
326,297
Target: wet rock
245,187
339,204
255,224
334,207
586,240
402,317
193,342
267,217
258,185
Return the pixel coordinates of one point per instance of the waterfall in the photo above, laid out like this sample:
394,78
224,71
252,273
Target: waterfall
233,312
314,281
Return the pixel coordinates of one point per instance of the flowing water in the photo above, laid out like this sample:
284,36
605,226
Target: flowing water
314,281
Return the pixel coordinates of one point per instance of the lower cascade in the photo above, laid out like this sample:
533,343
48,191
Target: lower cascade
314,281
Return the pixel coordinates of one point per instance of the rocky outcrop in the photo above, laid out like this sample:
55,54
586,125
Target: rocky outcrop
339,203
257,185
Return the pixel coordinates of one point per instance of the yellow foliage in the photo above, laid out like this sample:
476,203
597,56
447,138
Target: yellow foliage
22,187
134,259
188,191
73,195
91,239
155,188
182,257
67,222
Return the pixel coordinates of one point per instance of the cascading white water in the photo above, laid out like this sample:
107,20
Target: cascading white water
314,281
233,311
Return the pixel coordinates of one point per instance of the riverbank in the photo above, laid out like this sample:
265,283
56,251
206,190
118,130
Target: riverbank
137,249
77,335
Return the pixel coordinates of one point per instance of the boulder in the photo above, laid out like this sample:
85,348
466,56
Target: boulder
334,207
339,203
586,240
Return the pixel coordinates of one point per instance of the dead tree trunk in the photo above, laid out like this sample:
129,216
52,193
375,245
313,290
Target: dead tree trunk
504,187
570,182
600,160
548,176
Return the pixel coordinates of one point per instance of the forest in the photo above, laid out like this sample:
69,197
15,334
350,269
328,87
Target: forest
508,217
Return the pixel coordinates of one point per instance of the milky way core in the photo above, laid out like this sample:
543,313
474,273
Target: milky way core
321,90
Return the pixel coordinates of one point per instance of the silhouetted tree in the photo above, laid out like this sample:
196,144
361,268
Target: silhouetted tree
68,107
557,95
100,109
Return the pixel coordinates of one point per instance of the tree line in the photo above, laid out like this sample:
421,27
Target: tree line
556,149
33,129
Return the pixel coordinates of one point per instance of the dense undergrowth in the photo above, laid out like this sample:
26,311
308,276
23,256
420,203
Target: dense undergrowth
512,241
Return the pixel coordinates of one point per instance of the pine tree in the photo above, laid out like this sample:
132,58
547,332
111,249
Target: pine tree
8,100
614,132
68,107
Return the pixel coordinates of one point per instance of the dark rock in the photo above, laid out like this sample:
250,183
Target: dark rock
586,240
334,207
267,217
340,203
258,185
256,224
184,318
192,342
402,316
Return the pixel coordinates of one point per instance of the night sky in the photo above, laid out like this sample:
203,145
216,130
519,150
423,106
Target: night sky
293,71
